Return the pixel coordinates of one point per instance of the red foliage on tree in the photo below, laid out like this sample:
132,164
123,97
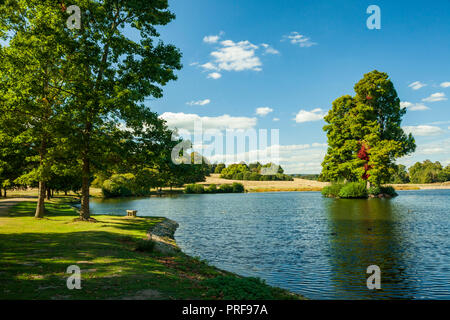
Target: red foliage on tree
369,98
363,154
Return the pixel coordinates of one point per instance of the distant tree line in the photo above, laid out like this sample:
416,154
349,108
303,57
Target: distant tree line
421,172
253,171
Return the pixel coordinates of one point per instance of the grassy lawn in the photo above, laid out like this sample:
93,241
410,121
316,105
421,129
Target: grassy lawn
35,254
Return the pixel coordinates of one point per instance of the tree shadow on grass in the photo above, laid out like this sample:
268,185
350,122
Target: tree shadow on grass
33,266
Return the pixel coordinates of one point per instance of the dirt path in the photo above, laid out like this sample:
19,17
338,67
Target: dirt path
5,204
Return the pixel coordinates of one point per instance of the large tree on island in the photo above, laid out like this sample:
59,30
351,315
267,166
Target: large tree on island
364,133
117,72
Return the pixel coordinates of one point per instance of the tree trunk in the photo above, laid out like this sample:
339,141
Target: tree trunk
84,212
5,193
65,193
40,208
48,194
53,193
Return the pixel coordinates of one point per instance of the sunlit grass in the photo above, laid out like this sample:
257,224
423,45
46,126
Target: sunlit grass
35,254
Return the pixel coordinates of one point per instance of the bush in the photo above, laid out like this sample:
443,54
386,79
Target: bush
377,190
247,175
332,190
194,188
119,185
255,176
238,187
212,188
226,188
353,190
238,176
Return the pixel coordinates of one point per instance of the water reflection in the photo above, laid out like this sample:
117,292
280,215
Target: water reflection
364,233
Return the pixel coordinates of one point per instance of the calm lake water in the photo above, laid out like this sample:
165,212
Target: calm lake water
312,245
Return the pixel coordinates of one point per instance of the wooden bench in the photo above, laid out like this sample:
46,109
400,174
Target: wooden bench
131,213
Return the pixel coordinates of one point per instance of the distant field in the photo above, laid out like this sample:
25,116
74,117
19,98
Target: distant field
266,186
306,185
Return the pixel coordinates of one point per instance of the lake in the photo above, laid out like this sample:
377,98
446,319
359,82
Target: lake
312,245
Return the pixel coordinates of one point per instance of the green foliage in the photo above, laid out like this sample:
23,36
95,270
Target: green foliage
429,172
219,168
399,175
212,188
194,188
379,190
350,190
226,188
372,116
353,190
119,185
238,187
238,176
332,190
255,172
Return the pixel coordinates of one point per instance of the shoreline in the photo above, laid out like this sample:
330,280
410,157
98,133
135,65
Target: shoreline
114,252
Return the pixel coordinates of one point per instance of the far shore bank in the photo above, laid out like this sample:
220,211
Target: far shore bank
297,185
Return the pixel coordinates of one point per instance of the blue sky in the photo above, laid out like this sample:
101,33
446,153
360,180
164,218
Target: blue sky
293,58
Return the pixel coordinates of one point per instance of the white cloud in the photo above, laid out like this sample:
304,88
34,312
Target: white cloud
438,96
417,85
209,66
193,63
413,106
214,75
307,116
186,121
211,39
423,130
438,147
263,111
431,150
199,102
234,56
276,119
299,39
445,84
269,49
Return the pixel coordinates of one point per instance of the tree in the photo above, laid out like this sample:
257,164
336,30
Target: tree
364,133
116,74
428,172
219,168
399,174
32,76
